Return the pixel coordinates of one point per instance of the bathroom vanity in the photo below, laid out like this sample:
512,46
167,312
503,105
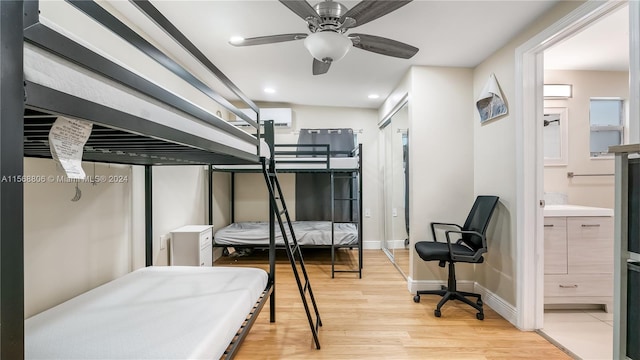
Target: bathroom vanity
578,255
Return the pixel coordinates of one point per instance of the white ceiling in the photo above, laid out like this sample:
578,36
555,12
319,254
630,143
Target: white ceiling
448,33
602,46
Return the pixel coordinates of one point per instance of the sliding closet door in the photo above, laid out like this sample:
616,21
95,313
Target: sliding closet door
386,169
394,144
400,210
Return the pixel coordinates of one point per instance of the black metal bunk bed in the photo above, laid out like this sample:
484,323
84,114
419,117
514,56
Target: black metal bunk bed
317,159
30,106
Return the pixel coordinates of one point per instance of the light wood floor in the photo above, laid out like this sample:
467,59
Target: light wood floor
376,318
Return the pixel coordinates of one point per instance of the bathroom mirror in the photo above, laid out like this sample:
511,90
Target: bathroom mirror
555,136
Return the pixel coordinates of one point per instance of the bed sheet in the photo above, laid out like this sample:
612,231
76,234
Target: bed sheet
168,312
307,233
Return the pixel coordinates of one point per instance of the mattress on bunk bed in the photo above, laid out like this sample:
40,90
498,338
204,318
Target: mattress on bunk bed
169,312
46,69
307,233
338,163
312,163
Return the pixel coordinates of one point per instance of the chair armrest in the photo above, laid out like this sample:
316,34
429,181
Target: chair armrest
476,256
433,228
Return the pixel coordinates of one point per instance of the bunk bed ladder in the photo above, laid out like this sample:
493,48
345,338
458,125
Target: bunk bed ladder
294,252
352,199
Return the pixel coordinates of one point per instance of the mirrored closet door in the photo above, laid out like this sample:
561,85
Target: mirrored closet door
395,145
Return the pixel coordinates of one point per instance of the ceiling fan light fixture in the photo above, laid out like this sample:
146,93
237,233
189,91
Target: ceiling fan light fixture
327,45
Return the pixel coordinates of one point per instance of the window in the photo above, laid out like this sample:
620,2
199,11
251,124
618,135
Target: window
605,118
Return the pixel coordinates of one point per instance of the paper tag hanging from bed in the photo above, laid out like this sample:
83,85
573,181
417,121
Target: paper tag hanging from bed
491,103
66,142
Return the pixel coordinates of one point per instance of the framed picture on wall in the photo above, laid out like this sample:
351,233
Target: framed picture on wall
491,102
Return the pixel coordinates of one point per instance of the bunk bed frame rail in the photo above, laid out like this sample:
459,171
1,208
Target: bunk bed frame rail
11,193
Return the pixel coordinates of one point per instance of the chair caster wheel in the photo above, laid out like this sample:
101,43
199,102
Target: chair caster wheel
479,302
442,287
416,298
437,313
480,316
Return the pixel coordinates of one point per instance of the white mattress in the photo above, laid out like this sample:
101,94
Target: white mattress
307,233
335,163
152,313
51,71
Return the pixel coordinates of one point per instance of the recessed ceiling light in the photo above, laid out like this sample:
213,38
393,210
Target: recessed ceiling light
373,96
269,90
236,40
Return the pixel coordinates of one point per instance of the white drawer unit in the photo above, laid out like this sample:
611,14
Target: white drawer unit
191,246
578,265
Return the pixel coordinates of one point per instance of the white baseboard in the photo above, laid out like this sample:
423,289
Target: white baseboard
495,302
371,244
395,244
498,304
377,244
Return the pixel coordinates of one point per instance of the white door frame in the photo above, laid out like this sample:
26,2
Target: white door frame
529,148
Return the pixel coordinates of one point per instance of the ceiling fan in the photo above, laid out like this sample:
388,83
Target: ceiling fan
328,21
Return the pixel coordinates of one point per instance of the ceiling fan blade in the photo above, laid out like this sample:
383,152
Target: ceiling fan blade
260,40
320,67
369,10
301,8
383,46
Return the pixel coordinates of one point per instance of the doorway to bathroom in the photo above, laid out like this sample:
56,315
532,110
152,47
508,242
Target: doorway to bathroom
586,97
529,222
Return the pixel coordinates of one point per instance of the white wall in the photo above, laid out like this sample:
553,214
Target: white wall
252,199
221,196
179,198
71,247
441,137
589,191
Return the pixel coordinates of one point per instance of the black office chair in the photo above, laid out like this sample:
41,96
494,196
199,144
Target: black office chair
468,248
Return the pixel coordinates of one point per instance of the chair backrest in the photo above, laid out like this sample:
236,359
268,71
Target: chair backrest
478,220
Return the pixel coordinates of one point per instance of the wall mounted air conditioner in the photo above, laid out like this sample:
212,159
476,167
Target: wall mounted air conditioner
281,116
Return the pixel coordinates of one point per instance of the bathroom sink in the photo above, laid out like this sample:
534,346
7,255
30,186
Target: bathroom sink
576,210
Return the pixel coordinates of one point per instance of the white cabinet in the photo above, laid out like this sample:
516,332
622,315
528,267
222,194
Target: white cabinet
578,262
191,245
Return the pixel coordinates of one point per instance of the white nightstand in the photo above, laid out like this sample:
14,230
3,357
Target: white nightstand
191,245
